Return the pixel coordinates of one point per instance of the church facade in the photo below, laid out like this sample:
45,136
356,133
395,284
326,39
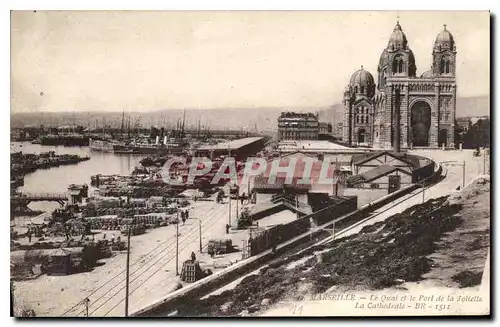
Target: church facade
402,110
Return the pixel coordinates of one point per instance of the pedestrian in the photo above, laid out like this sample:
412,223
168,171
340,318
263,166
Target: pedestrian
113,239
187,214
193,257
227,228
29,235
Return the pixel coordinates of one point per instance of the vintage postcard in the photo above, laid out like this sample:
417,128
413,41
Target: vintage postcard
250,163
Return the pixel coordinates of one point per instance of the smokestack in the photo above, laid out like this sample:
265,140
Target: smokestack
157,139
165,139
162,132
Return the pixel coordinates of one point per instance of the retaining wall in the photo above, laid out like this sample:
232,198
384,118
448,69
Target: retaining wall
221,278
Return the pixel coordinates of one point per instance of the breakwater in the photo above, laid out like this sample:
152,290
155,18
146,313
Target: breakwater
22,164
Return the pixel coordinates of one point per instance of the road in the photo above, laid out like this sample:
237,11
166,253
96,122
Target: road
453,179
152,272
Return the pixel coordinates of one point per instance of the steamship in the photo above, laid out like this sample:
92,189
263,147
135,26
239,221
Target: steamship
100,145
167,146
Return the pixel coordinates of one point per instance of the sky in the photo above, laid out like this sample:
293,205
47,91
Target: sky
141,61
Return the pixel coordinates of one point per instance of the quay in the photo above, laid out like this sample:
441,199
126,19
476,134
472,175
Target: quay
22,164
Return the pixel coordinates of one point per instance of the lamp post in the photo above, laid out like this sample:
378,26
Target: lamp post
237,200
229,211
201,244
127,281
177,241
229,195
463,174
87,300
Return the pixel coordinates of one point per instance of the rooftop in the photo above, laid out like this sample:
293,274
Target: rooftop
262,182
364,157
291,114
372,174
316,146
232,145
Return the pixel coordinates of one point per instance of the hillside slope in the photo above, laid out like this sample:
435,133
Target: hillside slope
443,241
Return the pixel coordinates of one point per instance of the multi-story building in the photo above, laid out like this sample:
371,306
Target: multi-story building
298,126
464,123
337,132
325,128
404,110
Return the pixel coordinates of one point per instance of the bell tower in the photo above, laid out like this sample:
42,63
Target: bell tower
444,55
400,61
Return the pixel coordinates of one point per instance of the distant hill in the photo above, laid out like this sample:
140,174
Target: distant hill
473,106
262,119
250,119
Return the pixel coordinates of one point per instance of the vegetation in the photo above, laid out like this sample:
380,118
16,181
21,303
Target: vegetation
477,136
382,255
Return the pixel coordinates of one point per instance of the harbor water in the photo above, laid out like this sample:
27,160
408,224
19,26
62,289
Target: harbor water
57,179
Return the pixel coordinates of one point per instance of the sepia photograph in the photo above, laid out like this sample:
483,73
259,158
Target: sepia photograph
168,164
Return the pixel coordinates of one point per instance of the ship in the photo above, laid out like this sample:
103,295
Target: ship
65,140
165,147
153,161
100,145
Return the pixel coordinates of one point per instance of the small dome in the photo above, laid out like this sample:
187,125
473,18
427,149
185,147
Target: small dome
383,60
427,74
444,39
361,77
398,38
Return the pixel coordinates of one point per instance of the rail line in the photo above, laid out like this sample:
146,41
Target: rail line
370,216
188,238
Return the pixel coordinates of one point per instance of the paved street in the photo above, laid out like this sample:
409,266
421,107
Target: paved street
152,272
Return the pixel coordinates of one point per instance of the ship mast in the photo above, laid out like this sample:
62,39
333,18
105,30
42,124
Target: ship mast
123,122
183,122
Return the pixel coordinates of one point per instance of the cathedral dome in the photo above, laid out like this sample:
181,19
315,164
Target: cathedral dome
398,38
427,74
383,60
444,40
361,77
362,83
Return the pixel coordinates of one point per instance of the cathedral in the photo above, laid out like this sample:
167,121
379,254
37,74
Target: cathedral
402,110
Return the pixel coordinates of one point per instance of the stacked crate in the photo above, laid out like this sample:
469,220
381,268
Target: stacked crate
220,246
191,271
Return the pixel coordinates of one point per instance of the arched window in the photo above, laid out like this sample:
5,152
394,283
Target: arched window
397,64
445,67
